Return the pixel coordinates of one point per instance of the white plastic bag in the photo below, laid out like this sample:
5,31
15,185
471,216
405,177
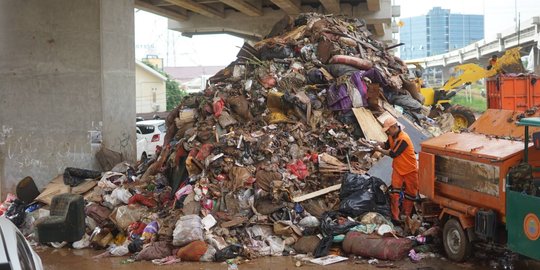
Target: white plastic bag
210,254
83,243
118,196
188,229
125,215
119,251
276,245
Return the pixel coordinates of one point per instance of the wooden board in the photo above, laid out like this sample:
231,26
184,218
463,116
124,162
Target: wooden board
383,117
84,187
501,123
389,108
370,127
55,187
316,193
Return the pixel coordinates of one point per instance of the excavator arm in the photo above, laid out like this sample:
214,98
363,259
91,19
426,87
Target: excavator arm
510,62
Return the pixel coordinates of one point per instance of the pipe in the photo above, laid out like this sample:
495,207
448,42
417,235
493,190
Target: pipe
458,206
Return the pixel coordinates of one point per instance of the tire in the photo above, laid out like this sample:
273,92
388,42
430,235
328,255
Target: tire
144,157
456,242
463,117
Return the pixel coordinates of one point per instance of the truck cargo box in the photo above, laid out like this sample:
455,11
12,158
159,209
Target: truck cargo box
517,93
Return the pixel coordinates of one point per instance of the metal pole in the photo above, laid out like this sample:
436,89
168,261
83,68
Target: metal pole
518,28
526,151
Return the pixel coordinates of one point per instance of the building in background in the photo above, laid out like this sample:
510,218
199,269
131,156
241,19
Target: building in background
192,79
438,32
150,88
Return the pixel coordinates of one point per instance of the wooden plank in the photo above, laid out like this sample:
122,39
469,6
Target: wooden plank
55,187
383,117
234,222
317,193
389,108
84,187
370,127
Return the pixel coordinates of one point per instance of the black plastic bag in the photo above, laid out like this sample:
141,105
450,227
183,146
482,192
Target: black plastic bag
74,176
363,193
324,247
136,245
229,252
16,212
330,223
269,52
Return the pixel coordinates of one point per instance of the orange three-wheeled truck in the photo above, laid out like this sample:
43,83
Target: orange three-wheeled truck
486,186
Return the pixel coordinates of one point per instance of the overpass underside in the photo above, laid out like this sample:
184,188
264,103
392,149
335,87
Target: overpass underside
254,19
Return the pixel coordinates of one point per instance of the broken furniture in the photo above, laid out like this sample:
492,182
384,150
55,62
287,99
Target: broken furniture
66,220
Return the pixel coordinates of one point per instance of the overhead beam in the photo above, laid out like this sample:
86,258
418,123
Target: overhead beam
374,5
198,8
331,6
243,7
160,11
291,7
160,3
379,29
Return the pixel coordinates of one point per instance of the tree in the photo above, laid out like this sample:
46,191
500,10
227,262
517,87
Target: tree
174,92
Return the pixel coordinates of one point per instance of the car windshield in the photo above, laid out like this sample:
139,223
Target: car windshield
146,129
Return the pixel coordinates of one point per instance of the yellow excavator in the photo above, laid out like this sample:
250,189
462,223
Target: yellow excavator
465,74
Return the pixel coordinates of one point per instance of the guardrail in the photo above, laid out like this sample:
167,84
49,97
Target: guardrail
528,35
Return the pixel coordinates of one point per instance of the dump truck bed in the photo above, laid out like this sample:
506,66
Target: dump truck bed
476,145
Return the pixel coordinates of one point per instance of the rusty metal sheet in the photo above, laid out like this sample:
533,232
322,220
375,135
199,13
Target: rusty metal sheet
500,123
477,145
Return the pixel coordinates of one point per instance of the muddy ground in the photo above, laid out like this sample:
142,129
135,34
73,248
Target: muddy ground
82,260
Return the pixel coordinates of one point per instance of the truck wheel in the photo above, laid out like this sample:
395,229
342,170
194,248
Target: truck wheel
143,158
463,117
456,243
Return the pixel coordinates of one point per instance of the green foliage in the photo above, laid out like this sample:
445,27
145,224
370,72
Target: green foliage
475,100
174,92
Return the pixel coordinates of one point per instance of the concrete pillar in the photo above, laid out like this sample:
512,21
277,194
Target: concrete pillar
536,60
67,77
500,40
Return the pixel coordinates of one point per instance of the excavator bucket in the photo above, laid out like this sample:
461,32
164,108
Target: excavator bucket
510,62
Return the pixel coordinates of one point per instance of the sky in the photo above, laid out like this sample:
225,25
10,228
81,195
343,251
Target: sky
153,38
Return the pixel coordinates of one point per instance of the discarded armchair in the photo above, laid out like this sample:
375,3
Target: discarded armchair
66,220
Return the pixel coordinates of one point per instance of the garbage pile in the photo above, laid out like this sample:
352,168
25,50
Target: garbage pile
264,162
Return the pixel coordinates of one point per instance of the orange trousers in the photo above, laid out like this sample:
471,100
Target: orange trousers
409,183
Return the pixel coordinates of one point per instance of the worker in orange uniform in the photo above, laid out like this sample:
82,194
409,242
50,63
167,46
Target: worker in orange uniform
405,168
492,62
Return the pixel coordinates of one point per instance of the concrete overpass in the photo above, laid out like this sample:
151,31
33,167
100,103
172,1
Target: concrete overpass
479,52
255,18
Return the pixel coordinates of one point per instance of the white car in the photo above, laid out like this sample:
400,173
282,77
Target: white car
154,131
15,252
142,146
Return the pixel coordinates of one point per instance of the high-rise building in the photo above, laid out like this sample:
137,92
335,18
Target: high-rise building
438,32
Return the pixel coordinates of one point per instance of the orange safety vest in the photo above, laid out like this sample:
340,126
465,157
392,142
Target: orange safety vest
405,163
